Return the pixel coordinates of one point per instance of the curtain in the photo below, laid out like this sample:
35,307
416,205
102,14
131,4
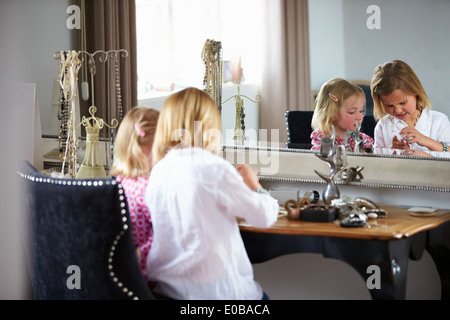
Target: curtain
286,76
111,25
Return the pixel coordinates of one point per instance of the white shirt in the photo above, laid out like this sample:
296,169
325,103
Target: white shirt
432,124
194,198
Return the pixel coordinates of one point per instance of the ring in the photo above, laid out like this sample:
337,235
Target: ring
312,195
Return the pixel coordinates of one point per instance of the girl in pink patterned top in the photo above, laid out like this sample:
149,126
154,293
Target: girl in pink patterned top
340,103
131,166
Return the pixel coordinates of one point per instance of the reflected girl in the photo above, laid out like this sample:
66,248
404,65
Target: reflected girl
340,103
406,121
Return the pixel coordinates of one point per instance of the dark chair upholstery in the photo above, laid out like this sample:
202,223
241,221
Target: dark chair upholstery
83,223
298,127
368,125
369,99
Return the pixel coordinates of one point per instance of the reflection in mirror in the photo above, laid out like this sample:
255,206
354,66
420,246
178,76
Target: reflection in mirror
379,171
359,44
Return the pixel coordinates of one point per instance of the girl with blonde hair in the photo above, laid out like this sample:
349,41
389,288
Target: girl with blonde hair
406,120
131,166
195,197
340,103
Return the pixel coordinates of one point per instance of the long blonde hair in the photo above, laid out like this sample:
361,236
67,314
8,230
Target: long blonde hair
136,130
329,99
392,75
188,118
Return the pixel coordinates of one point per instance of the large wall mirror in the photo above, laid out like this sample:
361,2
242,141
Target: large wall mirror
341,44
349,38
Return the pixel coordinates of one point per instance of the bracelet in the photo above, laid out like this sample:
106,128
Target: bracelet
261,190
312,195
444,145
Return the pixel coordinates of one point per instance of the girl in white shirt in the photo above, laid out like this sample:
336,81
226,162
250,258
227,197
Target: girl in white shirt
195,197
406,122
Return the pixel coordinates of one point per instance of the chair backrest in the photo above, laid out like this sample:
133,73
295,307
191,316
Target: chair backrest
368,125
78,241
298,127
369,99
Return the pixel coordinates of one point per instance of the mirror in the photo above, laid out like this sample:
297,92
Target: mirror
297,166
350,38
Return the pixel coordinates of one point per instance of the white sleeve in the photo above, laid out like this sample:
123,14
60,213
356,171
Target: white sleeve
259,210
443,126
381,136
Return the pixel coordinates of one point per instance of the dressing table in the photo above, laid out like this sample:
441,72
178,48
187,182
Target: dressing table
394,183
388,243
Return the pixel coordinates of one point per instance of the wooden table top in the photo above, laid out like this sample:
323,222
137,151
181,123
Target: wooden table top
398,224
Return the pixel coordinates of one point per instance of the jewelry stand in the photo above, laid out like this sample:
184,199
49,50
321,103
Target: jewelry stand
68,80
92,167
359,142
212,82
239,128
335,157
68,139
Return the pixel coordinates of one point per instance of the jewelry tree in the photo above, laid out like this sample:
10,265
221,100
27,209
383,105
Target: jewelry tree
70,63
239,128
68,79
92,166
336,158
212,82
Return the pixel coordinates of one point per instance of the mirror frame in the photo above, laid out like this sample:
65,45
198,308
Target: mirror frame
379,170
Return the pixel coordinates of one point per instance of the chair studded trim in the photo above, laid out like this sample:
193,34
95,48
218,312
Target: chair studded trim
125,223
287,129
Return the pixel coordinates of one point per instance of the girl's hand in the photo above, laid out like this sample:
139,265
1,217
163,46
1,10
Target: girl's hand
250,176
419,153
411,135
397,144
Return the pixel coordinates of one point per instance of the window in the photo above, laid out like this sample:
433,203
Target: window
171,35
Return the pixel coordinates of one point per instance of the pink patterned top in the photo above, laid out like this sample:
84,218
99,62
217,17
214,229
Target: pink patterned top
140,216
317,135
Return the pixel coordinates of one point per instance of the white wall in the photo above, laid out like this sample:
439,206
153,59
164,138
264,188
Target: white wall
30,32
43,32
327,52
415,31
310,276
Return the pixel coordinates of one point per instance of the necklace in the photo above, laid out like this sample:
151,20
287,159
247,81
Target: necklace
418,116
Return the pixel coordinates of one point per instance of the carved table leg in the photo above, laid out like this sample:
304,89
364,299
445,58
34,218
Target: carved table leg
439,248
382,264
